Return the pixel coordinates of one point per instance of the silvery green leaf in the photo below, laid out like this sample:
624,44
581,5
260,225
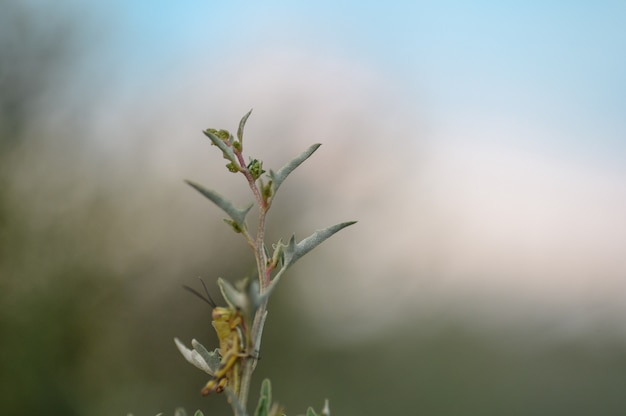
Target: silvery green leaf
226,150
233,296
326,409
242,124
244,297
180,412
281,175
237,215
212,358
209,366
293,251
251,288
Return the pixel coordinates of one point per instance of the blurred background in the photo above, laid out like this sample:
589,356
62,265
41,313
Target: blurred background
480,145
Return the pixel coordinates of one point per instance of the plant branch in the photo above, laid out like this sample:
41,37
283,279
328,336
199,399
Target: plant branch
244,317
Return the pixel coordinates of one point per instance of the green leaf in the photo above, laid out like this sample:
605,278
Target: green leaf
199,357
281,175
233,296
293,251
262,408
180,412
265,399
266,390
227,151
255,167
242,124
238,215
198,413
325,410
277,255
244,297
236,228
265,406
212,358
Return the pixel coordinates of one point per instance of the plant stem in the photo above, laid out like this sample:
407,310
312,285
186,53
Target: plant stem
258,247
250,362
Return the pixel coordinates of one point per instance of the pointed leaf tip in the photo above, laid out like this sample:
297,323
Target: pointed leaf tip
266,390
199,357
293,251
326,409
179,412
242,124
310,412
279,177
227,151
265,399
237,214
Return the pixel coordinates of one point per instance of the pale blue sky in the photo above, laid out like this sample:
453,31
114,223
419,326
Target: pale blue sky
559,63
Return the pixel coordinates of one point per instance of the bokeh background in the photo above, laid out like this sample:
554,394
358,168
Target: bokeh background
481,145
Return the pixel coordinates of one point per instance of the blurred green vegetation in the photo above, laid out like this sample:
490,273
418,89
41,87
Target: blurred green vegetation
87,319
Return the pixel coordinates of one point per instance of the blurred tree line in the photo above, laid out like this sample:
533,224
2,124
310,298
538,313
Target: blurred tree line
40,320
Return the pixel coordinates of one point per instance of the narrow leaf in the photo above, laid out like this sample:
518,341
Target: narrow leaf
242,124
281,175
262,408
266,391
226,150
293,251
238,215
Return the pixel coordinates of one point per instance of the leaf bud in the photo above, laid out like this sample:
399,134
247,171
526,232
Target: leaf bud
232,167
255,167
236,228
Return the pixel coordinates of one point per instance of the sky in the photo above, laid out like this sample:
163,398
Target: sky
493,133
557,64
